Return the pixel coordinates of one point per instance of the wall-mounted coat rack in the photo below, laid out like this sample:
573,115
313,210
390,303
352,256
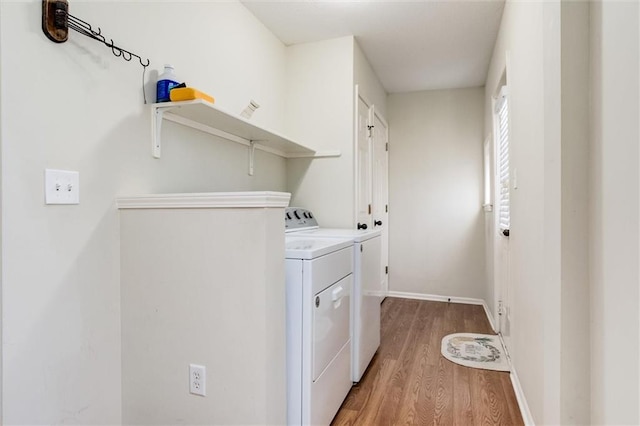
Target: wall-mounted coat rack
57,21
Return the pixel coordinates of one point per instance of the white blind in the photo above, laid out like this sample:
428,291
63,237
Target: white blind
502,120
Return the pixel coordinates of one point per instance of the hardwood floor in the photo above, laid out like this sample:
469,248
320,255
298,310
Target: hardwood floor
410,383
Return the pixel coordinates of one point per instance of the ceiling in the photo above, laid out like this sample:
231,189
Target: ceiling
411,45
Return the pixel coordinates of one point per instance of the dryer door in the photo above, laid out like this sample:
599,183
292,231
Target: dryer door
331,323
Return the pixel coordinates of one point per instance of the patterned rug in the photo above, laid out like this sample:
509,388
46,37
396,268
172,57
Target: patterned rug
475,350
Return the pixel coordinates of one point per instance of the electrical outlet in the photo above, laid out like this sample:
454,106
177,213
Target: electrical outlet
61,187
198,379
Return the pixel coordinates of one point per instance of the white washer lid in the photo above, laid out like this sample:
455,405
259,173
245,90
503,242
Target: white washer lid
356,235
305,247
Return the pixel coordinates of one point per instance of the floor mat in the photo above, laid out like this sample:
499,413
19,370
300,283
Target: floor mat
475,350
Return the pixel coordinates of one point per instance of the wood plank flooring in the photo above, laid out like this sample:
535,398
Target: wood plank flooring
410,383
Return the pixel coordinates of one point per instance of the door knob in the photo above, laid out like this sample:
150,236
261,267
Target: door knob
377,223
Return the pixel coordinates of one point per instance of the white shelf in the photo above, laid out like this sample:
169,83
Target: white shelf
204,116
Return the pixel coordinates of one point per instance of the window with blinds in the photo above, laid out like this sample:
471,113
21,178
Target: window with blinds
502,141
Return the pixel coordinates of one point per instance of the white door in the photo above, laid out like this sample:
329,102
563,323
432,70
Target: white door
503,294
363,163
502,215
380,192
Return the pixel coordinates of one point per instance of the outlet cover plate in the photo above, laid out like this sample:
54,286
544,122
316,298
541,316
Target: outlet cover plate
61,187
198,379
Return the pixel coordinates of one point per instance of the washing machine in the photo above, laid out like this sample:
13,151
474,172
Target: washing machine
319,282
366,296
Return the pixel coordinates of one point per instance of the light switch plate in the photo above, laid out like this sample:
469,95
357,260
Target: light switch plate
61,187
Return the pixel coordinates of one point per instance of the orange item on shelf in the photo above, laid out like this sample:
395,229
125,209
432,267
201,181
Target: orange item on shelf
188,94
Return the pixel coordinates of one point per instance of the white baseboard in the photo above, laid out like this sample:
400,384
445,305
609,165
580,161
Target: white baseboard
435,298
452,299
517,389
515,382
522,401
489,315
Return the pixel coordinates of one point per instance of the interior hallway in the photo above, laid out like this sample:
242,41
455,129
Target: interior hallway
410,382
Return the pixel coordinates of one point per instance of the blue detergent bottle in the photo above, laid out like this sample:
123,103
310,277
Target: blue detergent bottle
166,81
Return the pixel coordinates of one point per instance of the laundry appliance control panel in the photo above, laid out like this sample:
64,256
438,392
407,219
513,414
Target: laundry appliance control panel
296,219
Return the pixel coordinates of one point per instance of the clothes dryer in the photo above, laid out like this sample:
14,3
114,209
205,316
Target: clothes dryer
366,296
319,280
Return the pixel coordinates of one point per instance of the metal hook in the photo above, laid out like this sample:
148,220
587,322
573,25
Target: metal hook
114,49
56,17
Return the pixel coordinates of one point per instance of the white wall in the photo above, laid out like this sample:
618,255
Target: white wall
565,336
1,224
75,106
522,39
320,102
436,190
575,295
321,79
368,83
544,47
614,212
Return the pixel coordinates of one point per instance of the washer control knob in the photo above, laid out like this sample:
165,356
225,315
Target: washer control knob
288,215
295,213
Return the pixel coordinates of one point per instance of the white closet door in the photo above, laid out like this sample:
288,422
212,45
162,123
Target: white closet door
380,193
363,164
